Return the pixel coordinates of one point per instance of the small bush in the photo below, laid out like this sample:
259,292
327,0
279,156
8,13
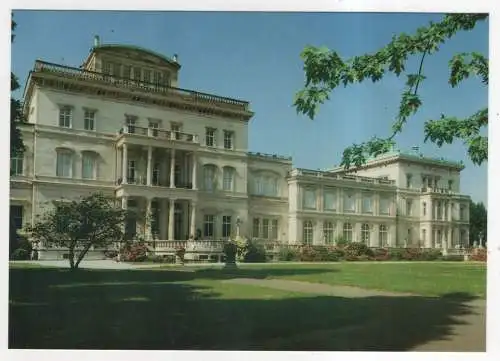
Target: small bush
381,254
356,249
134,252
479,255
110,254
255,252
288,254
20,254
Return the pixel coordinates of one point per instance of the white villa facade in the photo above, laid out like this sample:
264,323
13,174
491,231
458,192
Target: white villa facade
120,125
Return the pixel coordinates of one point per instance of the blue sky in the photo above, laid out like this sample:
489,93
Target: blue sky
255,57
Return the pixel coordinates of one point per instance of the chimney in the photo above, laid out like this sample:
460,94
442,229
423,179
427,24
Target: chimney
175,57
97,41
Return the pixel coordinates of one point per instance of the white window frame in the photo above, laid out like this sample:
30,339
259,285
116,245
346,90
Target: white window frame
265,228
62,156
328,232
66,116
210,137
310,201
273,229
89,156
131,171
228,178
367,203
17,165
155,176
209,177
131,123
226,226
209,220
385,206
308,232
347,232
89,119
383,235
349,202
154,125
409,207
228,139
256,228
365,233
329,200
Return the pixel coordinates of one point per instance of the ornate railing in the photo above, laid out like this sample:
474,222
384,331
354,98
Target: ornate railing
348,177
269,156
159,133
184,94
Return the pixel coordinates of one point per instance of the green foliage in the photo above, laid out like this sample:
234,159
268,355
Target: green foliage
325,71
288,254
20,254
134,252
16,141
478,221
254,252
356,249
91,221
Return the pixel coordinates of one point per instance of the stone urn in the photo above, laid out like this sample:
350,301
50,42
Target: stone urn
179,255
230,251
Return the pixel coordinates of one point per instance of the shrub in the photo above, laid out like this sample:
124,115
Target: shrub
453,258
381,254
254,252
20,254
288,254
162,259
341,241
110,253
479,255
356,249
307,254
432,255
134,252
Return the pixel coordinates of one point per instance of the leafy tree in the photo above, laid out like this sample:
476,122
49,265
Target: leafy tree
478,220
91,221
16,112
325,71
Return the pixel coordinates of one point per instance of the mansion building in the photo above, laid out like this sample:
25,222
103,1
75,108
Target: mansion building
121,125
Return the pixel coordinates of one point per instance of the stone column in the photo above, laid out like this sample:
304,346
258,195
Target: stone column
194,175
124,164
171,219
148,232
163,217
192,226
172,168
124,207
374,239
148,169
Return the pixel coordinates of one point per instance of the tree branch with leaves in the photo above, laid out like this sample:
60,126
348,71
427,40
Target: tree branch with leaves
325,71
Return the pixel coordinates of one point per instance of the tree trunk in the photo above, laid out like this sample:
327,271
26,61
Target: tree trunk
83,253
72,257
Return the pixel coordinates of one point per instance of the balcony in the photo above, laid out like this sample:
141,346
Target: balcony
343,177
160,134
136,85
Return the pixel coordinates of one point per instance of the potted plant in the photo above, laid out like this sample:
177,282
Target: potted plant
180,252
230,250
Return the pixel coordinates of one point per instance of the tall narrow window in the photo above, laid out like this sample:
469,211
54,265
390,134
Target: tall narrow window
273,232
209,226
309,198
88,166
176,130
106,67
131,171
367,203
382,235
256,228
210,137
226,226
154,125
409,178
227,178
137,74
347,232
228,139
89,119
16,165
127,71
156,174
16,216
365,234
65,116
265,228
384,205
349,202
209,177
409,207
130,122
424,208
259,185
328,231
147,75
450,184
308,232
329,200
64,164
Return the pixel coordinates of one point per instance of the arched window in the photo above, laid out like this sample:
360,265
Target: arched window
328,231
228,178
64,166
210,177
89,165
308,232
382,235
347,232
365,234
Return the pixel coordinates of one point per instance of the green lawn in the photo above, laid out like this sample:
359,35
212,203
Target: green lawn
169,309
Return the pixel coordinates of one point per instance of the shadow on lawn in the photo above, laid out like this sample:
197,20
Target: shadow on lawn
149,310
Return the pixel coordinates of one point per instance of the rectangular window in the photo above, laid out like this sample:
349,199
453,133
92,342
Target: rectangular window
256,228
349,202
450,184
226,226
274,229
106,68
154,125
127,71
176,130
309,198
157,78
328,232
89,119
131,171
409,207
64,164
147,76
384,206
209,226
137,73
210,137
367,204
330,200
65,116
88,166
265,228
156,174
228,139
227,178
424,208
462,212
16,216
408,180
130,122
16,165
